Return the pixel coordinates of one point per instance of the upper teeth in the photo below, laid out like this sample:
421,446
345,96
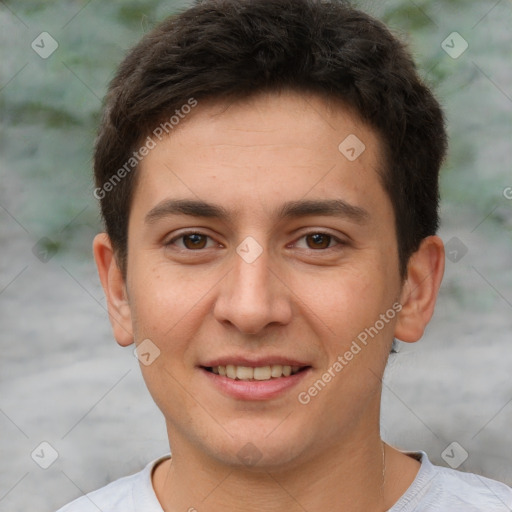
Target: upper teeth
258,373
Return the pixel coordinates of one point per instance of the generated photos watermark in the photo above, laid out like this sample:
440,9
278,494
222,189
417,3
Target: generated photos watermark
150,143
355,348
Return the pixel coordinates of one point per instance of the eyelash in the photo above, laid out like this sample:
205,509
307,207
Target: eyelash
187,233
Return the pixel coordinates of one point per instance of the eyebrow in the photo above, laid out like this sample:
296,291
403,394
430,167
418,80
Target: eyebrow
291,209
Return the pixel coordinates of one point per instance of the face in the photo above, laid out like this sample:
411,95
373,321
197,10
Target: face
256,242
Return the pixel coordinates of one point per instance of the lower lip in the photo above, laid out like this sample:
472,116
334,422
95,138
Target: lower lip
255,389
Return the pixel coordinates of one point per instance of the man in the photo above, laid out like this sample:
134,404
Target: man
268,177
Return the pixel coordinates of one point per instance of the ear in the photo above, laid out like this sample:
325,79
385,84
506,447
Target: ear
419,293
115,290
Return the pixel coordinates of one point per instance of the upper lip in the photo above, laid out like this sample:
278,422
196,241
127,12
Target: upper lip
253,361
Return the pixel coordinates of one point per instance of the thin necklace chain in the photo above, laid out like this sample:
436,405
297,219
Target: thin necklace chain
383,474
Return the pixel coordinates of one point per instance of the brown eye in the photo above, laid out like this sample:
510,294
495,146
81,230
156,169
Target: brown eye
318,240
191,241
194,241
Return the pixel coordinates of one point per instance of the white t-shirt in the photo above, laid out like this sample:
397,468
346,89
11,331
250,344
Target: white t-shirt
435,489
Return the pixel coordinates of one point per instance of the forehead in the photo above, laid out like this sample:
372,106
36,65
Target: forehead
266,150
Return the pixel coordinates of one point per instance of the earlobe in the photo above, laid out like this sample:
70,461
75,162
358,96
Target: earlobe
114,287
418,298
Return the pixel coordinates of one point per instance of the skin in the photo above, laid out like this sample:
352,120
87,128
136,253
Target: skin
304,297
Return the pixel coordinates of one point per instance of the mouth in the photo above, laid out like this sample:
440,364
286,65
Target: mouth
255,373
254,379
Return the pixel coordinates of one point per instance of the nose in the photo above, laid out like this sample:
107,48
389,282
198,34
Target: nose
253,296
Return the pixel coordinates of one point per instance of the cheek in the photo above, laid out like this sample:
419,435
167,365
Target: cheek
348,301
169,305
157,301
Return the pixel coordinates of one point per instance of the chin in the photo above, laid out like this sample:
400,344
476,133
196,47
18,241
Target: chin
258,450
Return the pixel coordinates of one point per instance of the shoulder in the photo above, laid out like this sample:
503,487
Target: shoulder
438,489
472,492
115,496
128,494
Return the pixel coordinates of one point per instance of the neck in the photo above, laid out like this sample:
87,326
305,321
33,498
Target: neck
352,475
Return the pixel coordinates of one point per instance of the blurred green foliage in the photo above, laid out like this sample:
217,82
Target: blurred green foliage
50,109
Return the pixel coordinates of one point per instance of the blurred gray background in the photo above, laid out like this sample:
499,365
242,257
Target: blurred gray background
63,379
